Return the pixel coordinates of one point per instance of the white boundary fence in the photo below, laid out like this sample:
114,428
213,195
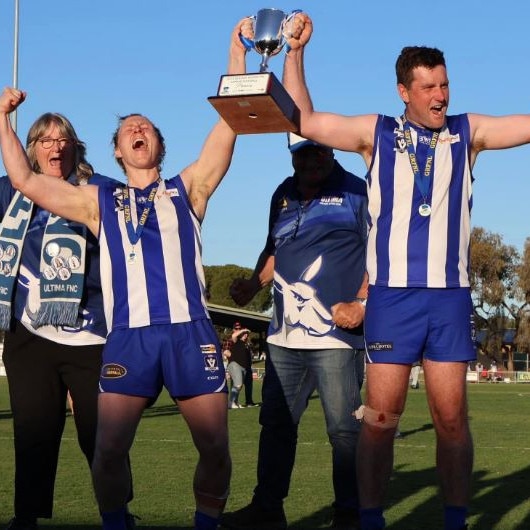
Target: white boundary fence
499,377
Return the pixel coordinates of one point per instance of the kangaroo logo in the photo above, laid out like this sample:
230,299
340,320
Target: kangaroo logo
303,312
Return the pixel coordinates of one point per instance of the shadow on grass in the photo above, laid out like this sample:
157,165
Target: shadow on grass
496,497
423,428
161,410
316,521
493,498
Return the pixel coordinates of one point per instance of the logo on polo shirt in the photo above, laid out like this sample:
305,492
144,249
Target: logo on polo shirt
331,201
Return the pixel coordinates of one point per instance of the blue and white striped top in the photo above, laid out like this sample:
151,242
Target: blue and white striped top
165,282
404,248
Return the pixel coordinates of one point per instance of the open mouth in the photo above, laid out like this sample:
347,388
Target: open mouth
139,143
55,161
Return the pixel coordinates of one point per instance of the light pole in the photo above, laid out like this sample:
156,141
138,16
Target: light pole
15,65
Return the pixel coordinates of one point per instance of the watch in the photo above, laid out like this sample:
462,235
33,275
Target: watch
362,301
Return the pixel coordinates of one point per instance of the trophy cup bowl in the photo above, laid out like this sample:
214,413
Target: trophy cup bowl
268,34
258,103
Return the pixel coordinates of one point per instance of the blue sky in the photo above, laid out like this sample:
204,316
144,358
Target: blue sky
95,60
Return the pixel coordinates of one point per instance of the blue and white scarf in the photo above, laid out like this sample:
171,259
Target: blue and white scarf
62,265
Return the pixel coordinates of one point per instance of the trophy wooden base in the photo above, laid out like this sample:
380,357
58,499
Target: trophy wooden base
255,103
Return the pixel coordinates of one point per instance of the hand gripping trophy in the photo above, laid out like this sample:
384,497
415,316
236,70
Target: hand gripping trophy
258,103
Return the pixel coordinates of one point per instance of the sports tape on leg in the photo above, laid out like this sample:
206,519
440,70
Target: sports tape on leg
383,420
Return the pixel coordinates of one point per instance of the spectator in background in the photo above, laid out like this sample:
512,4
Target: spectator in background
249,379
493,372
225,348
415,375
478,368
239,366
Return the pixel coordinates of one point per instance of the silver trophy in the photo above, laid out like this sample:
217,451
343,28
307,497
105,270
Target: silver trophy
258,103
269,33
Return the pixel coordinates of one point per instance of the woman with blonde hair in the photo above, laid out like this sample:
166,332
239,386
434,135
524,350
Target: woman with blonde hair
52,311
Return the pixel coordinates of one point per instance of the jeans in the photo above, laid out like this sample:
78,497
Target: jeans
291,376
237,377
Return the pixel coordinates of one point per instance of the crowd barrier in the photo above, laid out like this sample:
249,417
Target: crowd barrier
498,377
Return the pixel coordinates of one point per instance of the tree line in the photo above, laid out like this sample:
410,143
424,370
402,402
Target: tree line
500,286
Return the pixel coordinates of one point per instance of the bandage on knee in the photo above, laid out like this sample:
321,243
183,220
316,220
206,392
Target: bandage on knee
377,418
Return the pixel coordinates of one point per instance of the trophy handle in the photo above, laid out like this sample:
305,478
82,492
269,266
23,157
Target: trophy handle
247,43
286,29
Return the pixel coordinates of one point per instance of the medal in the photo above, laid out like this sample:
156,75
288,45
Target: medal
134,234
424,210
422,176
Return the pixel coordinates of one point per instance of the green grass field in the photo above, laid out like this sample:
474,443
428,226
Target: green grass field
163,460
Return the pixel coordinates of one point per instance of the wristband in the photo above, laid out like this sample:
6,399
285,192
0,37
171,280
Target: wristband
362,301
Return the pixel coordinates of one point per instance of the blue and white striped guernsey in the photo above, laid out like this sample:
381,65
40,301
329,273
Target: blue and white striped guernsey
165,282
404,248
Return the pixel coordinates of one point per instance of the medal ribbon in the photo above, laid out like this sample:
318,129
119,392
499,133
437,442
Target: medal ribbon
421,178
135,235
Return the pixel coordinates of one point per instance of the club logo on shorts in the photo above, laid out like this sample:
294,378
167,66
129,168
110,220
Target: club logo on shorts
210,363
380,346
208,348
113,371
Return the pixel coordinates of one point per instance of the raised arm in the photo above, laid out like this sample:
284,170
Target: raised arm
78,203
498,132
346,133
203,176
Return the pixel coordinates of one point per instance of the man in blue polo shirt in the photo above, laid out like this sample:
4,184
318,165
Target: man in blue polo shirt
315,258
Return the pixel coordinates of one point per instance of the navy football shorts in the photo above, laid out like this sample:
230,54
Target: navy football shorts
404,325
185,358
